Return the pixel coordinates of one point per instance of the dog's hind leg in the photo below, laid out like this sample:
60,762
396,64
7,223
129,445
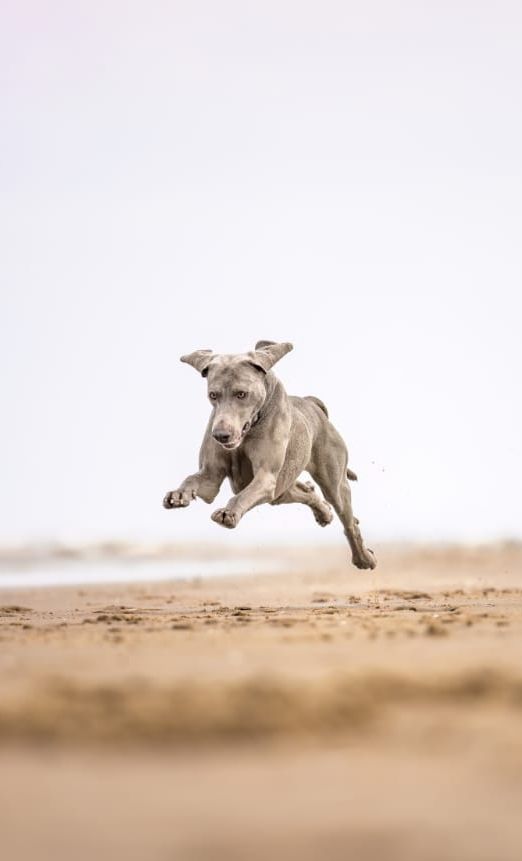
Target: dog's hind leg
330,475
362,556
304,492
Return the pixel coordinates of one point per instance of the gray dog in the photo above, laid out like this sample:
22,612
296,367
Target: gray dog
262,440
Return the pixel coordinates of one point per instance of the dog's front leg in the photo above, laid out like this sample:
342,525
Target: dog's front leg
261,489
203,484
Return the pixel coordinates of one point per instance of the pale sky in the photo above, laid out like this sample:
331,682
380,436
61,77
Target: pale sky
345,176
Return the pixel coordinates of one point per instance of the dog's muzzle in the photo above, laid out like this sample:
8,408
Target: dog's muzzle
223,438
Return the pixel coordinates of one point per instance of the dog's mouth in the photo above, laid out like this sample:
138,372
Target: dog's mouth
230,446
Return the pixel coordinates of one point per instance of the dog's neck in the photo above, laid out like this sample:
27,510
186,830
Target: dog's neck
273,387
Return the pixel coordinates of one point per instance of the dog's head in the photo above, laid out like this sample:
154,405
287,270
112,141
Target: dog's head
237,387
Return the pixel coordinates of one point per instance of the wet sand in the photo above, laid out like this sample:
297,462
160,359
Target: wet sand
318,713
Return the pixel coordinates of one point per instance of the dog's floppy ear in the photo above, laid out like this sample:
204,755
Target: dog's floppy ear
200,360
267,353
261,344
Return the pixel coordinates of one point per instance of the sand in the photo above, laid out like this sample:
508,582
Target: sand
318,713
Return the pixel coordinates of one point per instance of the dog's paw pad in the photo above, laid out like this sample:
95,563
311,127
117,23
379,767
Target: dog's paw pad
225,518
323,515
178,498
366,560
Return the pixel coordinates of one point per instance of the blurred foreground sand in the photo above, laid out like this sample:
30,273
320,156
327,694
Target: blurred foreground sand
319,713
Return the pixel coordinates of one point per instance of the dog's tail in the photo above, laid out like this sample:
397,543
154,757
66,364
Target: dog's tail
319,403
351,475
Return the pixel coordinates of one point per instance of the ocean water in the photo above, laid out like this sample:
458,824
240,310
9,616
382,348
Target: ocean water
84,572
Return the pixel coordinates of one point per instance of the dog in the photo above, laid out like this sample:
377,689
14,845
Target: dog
262,439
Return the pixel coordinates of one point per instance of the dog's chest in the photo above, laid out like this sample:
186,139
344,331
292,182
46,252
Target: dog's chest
241,473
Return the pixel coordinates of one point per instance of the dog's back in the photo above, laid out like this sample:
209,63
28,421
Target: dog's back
319,402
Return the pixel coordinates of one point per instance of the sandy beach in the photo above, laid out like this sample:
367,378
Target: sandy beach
316,713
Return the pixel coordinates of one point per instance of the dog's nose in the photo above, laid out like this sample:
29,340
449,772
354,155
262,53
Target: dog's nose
221,435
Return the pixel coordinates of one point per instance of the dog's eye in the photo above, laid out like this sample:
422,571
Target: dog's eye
212,396
241,395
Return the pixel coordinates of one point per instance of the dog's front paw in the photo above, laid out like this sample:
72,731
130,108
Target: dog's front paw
178,498
225,518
